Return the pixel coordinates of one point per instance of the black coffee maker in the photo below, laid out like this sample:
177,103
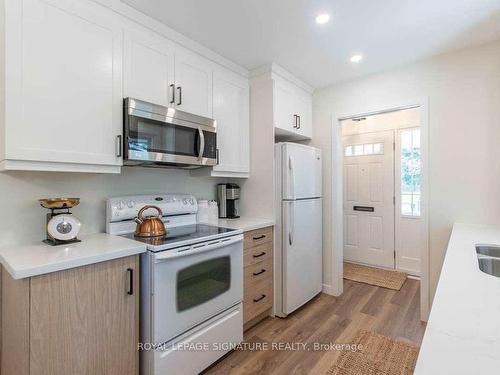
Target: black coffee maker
229,195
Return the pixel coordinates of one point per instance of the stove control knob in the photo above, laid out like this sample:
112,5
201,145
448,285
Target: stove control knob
130,204
121,205
191,200
185,201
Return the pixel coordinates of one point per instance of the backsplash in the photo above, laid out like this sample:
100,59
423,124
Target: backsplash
23,219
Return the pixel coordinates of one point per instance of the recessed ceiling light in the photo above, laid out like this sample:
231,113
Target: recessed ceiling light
323,18
356,58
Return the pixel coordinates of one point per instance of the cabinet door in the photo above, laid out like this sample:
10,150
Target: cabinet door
303,104
284,106
149,67
193,77
64,82
83,321
231,111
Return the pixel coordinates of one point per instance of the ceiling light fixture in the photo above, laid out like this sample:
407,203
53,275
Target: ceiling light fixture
356,58
323,18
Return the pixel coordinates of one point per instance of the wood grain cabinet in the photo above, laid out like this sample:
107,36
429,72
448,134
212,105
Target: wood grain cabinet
258,275
78,321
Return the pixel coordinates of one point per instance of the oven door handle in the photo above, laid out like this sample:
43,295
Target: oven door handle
196,249
201,150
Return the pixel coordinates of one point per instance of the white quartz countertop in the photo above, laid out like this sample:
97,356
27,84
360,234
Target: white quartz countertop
463,332
38,258
245,223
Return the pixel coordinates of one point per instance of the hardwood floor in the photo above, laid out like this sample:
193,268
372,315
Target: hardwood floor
326,319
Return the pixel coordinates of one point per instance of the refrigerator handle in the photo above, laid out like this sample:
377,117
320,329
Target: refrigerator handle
292,176
291,224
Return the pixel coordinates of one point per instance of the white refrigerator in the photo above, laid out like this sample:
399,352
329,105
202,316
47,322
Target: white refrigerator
298,255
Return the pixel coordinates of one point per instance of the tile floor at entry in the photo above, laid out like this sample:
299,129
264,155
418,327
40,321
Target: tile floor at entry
326,319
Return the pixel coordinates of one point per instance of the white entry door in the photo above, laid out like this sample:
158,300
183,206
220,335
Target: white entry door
369,199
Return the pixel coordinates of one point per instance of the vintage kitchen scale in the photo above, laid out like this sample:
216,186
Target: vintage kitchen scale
62,226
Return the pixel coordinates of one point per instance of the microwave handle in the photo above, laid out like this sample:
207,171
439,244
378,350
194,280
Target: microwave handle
202,144
192,250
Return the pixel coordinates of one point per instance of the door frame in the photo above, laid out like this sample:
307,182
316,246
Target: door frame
337,225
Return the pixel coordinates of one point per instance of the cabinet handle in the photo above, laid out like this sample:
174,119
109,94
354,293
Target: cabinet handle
259,237
119,146
217,155
299,123
259,273
180,95
172,86
295,121
130,274
260,298
261,254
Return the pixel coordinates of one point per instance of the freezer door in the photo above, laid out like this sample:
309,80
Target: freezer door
301,172
301,252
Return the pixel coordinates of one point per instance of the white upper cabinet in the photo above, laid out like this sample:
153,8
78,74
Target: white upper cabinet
231,111
161,72
292,110
285,109
67,66
193,83
63,86
303,105
149,67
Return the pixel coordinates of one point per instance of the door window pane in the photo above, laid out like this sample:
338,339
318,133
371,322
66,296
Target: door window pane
364,150
378,148
358,150
348,151
411,172
202,282
368,149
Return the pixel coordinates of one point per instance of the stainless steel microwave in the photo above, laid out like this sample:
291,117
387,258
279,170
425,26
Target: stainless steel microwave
161,136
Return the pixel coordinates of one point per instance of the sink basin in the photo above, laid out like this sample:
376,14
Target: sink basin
490,266
488,250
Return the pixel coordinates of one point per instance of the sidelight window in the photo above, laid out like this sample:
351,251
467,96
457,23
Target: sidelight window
411,172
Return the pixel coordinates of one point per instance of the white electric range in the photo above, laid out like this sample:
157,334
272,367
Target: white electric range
191,285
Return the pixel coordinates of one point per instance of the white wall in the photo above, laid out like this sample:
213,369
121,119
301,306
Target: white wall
464,134
23,219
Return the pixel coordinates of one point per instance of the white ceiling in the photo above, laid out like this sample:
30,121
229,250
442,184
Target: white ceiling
387,32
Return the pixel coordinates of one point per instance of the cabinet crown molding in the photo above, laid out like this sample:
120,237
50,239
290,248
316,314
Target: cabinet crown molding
275,69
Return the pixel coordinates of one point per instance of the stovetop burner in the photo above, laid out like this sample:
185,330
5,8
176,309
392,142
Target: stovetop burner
182,235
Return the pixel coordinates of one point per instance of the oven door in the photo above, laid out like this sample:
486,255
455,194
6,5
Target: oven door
195,283
171,138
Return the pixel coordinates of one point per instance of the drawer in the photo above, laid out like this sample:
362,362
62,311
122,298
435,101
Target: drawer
258,300
258,254
258,237
258,271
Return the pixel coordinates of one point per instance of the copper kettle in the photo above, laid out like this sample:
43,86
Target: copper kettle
149,226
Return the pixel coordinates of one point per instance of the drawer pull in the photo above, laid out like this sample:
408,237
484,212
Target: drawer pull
259,237
130,273
261,254
259,273
260,298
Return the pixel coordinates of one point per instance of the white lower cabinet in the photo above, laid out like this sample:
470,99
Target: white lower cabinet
62,87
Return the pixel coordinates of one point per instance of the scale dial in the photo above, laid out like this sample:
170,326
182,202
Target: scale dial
64,227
